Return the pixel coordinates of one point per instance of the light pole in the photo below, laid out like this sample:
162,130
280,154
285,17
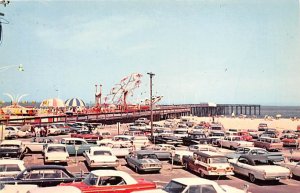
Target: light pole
151,104
20,67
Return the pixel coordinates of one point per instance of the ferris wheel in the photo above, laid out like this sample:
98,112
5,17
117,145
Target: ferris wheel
119,94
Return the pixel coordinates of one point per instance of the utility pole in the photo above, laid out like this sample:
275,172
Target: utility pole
151,103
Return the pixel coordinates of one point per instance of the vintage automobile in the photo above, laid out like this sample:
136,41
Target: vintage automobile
143,120
290,140
54,130
273,156
181,132
98,157
23,188
55,153
37,144
87,135
10,168
119,150
143,161
11,149
49,175
262,126
202,147
165,137
245,135
294,167
233,142
178,156
214,136
163,151
270,144
216,127
110,181
208,164
196,138
19,132
259,167
118,139
253,133
104,134
63,127
9,133
194,185
56,189
76,146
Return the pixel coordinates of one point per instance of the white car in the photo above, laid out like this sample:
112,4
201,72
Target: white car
37,144
188,185
202,147
19,133
56,189
10,133
54,130
100,157
16,188
259,167
181,132
11,168
118,139
55,153
234,142
294,168
178,155
119,150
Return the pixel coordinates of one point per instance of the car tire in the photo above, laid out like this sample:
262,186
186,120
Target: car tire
202,175
252,178
186,167
26,151
231,147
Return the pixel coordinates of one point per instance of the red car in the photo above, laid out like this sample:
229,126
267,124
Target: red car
108,181
245,135
290,140
89,137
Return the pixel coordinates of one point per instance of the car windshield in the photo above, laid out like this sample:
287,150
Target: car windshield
90,179
215,160
147,156
174,187
56,149
102,152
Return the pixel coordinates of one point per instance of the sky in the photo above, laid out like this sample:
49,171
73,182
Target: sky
221,51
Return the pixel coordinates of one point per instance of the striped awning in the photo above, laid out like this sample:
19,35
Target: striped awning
54,102
74,102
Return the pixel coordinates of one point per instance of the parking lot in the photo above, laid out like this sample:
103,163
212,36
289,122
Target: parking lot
77,164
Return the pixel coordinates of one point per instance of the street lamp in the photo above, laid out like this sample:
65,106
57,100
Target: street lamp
151,104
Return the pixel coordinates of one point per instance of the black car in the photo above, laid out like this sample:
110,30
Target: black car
162,139
43,176
10,150
196,138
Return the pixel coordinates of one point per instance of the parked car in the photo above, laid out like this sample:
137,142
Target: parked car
178,156
53,130
87,135
163,151
15,188
253,133
119,150
294,167
111,181
19,132
196,138
273,156
166,139
259,167
143,120
118,139
270,144
208,164
76,146
10,133
262,127
202,147
181,132
290,140
233,142
194,185
245,135
37,144
55,153
10,168
63,127
11,149
143,161
49,175
98,157
216,127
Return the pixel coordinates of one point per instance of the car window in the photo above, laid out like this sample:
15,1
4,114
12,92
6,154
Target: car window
243,160
9,168
208,189
111,181
194,189
77,142
174,187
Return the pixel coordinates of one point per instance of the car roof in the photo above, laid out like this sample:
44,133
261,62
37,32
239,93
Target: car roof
45,167
255,157
144,152
193,181
129,180
16,142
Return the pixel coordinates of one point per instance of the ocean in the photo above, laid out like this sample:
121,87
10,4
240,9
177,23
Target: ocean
285,111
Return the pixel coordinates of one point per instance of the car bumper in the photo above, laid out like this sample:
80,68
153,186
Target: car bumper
275,177
220,173
104,165
150,169
56,161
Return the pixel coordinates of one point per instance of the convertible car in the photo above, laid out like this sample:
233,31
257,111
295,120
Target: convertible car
110,181
49,175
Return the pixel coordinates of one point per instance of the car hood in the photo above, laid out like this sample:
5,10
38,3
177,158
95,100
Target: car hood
232,189
57,154
273,169
24,188
151,191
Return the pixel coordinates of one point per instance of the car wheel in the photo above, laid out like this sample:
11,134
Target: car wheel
202,175
27,150
252,178
186,167
231,147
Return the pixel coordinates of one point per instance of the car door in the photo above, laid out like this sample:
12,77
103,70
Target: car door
241,166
